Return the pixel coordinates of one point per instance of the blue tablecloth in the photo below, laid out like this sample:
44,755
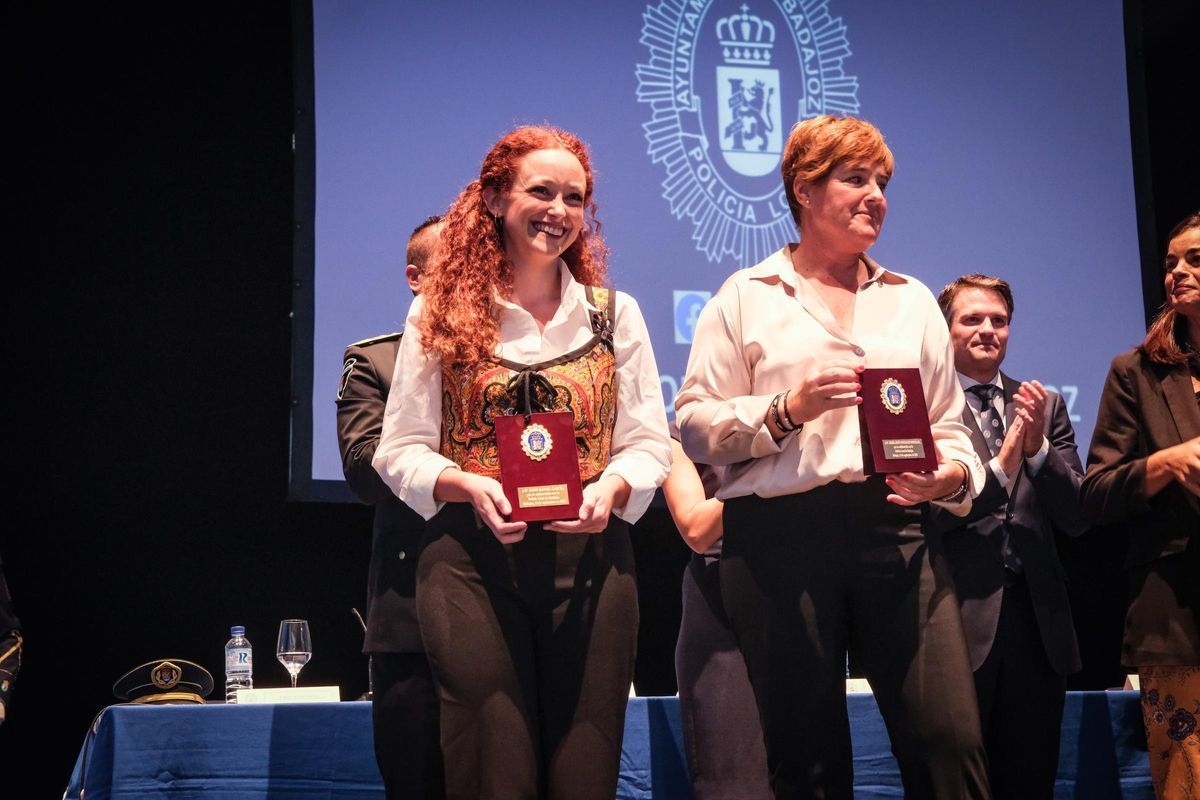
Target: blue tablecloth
324,750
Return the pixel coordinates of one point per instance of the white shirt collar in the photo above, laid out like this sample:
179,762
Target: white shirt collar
967,383
571,293
778,266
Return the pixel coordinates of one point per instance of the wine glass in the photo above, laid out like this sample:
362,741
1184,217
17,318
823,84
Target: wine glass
295,646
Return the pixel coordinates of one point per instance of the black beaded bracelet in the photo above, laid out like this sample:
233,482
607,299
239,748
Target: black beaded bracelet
787,427
795,426
775,411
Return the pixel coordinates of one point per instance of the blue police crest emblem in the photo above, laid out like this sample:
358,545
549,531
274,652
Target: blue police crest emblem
536,442
724,82
751,141
894,398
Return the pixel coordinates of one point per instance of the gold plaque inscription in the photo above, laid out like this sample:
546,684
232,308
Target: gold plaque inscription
539,496
903,449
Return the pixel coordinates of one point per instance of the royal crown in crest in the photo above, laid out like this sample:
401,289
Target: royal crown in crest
746,38
724,86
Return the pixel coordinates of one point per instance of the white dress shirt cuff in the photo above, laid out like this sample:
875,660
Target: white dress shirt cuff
417,491
644,475
754,409
1001,475
1033,463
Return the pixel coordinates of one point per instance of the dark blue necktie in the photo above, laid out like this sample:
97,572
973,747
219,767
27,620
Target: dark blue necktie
993,434
989,420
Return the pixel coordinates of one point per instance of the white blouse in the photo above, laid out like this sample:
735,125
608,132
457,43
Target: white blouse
409,459
767,329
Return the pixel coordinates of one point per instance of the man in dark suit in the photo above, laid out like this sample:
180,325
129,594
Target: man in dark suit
404,707
1010,584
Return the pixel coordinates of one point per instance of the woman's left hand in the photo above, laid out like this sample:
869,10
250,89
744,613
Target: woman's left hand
599,499
912,488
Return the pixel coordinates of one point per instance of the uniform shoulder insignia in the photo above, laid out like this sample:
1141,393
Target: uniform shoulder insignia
387,337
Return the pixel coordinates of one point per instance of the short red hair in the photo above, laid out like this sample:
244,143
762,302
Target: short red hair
815,146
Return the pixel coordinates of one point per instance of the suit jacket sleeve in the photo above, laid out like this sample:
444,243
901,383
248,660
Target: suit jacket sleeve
1058,480
1114,488
360,407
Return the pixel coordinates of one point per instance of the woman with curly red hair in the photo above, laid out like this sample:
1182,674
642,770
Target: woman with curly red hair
530,628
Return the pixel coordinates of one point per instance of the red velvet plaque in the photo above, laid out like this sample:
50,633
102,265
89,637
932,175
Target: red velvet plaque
539,468
894,422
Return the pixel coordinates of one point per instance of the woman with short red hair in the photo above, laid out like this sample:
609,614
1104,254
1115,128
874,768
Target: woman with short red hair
819,557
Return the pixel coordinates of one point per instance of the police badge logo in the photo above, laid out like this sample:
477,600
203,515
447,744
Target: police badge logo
725,76
751,141
536,442
894,398
166,675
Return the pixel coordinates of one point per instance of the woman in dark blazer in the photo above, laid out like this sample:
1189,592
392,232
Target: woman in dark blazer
1144,472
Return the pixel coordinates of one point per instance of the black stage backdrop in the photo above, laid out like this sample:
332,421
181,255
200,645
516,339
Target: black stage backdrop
149,340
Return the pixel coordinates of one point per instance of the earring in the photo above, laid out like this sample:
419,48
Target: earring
498,224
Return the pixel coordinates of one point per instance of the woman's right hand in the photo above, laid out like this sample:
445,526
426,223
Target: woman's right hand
1179,463
486,496
829,386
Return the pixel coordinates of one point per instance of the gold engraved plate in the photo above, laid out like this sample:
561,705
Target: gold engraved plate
903,448
537,444
539,496
895,400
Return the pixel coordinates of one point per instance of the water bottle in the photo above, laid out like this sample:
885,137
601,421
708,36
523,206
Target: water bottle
239,664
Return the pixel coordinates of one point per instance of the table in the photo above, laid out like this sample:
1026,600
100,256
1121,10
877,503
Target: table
324,750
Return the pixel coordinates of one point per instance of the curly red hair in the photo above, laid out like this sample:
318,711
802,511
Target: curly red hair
470,266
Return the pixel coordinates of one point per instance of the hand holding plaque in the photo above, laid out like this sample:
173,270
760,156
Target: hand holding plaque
600,500
894,423
539,468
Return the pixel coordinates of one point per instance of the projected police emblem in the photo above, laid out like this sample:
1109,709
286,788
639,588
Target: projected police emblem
725,82
750,138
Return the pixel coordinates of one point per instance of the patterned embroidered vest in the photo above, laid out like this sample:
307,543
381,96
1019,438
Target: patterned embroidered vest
582,381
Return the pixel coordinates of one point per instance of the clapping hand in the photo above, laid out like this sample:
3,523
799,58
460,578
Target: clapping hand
1031,399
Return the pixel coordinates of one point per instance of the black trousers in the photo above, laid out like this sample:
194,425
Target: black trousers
808,577
404,719
721,730
1020,703
532,646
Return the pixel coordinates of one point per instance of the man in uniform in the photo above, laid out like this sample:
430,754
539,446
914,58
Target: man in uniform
404,706
1010,585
